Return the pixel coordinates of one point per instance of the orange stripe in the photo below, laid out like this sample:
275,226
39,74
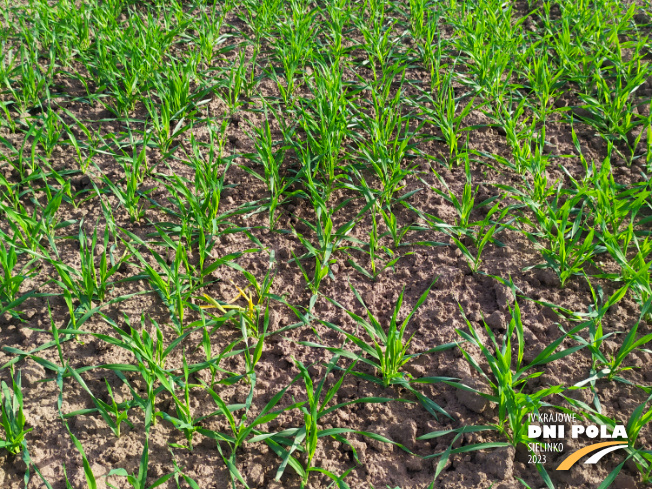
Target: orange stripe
575,456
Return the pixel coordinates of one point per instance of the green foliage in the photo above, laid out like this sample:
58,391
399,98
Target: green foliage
508,374
354,121
13,418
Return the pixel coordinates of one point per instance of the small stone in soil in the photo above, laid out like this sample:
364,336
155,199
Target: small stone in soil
548,277
81,182
256,475
624,481
504,296
500,462
496,320
405,432
472,401
560,103
233,140
415,464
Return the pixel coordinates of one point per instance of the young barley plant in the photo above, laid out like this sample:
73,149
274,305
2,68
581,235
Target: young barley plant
562,225
508,374
329,239
13,418
13,276
445,111
270,155
388,351
324,120
611,367
241,430
306,438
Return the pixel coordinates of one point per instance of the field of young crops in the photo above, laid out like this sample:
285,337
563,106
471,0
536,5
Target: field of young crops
324,243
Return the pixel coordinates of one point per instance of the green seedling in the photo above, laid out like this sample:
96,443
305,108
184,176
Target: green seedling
482,235
33,84
610,110
7,65
208,28
174,284
488,44
151,357
561,226
508,375
84,153
161,126
337,16
270,155
257,309
174,88
262,289
260,17
388,352
61,371
418,20
379,36
611,367
306,438
13,276
464,206
390,139
446,112
178,473
238,82
130,196
176,281
210,170
50,132
95,280
113,414
139,480
80,25
634,271
24,159
293,47
90,284
545,81
509,114
615,206
88,472
329,240
197,205
444,457
324,119
596,335
13,419
42,225
184,420
309,434
374,247
241,430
